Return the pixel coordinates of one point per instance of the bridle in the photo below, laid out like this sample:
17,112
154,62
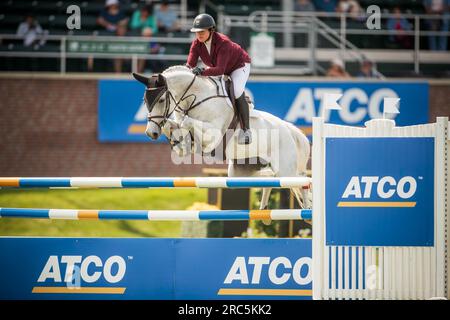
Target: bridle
163,89
159,91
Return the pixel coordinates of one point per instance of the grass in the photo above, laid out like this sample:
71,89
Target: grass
113,199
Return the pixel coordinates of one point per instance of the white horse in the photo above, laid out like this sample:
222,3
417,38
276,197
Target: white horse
177,99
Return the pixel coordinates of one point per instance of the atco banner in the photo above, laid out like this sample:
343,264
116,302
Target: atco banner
384,196
155,269
122,115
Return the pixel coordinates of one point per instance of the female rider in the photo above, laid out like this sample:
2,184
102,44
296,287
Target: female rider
222,56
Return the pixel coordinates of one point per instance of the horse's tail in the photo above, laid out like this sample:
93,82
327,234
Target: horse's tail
303,148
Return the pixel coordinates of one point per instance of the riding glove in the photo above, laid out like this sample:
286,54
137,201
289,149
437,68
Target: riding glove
197,71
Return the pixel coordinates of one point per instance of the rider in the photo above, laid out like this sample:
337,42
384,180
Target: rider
222,56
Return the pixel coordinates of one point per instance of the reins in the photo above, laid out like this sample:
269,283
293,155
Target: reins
169,96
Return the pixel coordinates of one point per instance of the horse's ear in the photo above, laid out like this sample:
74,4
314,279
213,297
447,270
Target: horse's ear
142,79
161,80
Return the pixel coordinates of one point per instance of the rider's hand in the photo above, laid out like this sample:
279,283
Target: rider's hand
197,71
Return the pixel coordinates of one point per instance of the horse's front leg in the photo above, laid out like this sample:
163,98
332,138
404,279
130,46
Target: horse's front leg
188,123
208,135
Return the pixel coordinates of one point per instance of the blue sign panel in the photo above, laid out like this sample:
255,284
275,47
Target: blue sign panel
299,102
384,196
123,116
244,269
161,269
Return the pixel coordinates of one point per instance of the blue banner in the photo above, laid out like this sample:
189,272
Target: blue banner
161,269
122,114
384,196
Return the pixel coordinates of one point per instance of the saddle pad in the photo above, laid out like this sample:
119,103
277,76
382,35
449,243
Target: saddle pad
224,91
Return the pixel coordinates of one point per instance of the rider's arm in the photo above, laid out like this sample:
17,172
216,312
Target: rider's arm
193,55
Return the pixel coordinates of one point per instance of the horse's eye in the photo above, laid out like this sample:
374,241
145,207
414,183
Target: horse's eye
161,100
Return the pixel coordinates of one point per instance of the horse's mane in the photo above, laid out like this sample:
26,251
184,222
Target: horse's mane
181,69
178,68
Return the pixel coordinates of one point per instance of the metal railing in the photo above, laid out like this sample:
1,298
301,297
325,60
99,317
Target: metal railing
314,26
63,54
314,23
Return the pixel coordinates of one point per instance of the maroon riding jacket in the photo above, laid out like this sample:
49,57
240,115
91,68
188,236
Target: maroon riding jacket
226,56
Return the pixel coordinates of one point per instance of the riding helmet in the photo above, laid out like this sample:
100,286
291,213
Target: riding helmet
203,22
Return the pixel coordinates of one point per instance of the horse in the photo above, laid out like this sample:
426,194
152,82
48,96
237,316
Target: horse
178,99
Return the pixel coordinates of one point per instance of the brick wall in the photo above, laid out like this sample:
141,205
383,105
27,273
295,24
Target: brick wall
439,101
48,127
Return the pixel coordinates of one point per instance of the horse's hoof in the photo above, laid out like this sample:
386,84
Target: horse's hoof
267,222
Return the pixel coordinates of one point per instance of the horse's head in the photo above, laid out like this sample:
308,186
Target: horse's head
157,102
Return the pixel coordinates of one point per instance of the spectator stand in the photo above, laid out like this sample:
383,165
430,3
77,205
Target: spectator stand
305,42
61,53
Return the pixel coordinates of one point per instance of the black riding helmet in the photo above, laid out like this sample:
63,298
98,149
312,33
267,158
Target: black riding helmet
203,22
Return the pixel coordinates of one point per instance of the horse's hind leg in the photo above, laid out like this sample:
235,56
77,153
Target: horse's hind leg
235,170
301,197
306,197
265,198
265,203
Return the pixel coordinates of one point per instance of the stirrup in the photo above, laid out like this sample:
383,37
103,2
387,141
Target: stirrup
245,137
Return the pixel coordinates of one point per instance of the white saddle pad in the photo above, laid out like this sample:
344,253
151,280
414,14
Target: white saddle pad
224,92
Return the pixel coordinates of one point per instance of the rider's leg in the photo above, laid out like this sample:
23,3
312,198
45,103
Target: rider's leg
245,136
240,77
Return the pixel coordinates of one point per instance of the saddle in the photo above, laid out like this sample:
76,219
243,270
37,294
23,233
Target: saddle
229,88
230,92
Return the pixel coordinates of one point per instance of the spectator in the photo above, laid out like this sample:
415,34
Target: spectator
114,21
144,21
121,32
351,7
441,7
367,70
167,18
32,33
111,17
337,69
325,5
304,6
397,25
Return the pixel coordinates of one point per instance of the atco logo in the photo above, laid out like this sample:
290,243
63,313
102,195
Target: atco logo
361,189
278,270
78,269
355,104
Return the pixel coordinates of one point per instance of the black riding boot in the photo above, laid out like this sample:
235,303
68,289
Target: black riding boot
245,135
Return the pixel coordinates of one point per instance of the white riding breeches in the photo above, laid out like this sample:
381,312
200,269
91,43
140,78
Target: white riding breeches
240,77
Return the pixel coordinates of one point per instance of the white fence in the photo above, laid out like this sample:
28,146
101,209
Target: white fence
381,272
